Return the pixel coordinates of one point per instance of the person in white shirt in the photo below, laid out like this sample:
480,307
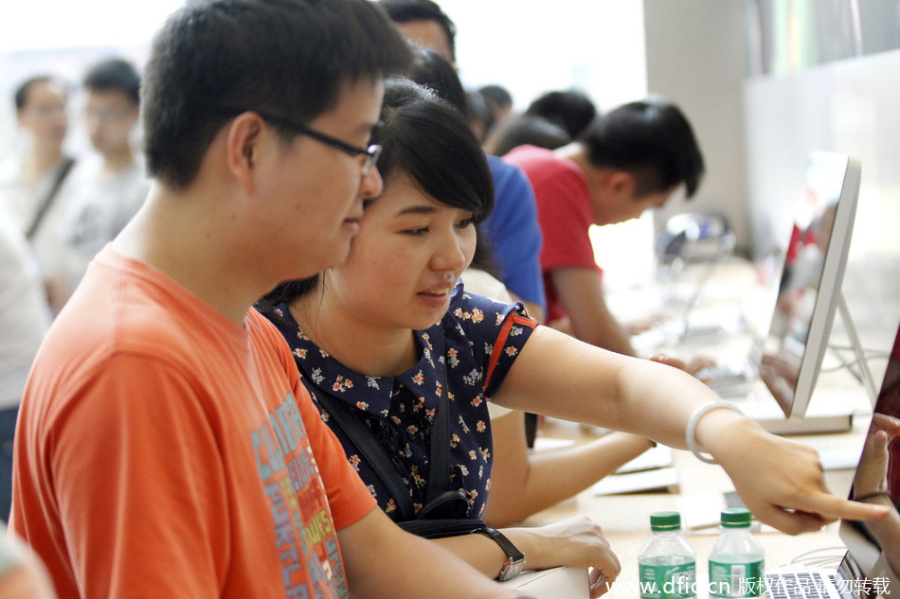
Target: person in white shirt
31,181
106,189
24,318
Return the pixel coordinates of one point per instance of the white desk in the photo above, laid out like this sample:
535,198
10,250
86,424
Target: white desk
626,518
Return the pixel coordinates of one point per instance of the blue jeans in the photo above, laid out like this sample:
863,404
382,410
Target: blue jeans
7,432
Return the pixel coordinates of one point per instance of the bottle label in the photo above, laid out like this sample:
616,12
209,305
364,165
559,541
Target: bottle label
668,581
736,580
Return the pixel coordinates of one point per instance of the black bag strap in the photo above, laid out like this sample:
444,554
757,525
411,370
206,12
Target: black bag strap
447,527
61,175
439,470
381,463
374,454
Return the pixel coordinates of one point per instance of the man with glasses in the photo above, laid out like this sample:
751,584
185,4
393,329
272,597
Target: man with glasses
31,183
166,445
107,188
371,152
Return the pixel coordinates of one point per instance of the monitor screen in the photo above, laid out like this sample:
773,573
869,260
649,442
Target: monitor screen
810,286
874,547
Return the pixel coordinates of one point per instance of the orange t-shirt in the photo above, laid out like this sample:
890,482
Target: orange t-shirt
164,451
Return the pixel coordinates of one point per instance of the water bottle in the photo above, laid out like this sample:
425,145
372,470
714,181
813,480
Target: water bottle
667,564
736,562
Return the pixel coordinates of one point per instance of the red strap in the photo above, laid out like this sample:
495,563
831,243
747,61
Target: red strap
501,342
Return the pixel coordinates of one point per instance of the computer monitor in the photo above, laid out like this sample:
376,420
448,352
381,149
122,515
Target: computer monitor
810,287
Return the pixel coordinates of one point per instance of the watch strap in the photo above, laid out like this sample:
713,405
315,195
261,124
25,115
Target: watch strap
515,559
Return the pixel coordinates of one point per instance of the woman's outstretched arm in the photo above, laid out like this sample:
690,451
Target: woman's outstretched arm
780,480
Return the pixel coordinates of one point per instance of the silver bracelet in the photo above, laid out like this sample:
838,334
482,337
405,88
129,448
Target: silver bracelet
691,431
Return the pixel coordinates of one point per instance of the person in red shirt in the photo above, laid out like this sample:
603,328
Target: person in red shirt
629,160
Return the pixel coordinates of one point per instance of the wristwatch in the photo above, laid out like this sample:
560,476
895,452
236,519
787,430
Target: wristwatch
515,559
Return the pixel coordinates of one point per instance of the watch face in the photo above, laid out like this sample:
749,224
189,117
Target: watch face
513,566
515,559
513,569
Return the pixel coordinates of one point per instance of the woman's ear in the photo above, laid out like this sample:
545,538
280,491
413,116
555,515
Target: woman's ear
242,147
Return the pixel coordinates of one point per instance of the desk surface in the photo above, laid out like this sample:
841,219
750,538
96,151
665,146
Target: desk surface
626,518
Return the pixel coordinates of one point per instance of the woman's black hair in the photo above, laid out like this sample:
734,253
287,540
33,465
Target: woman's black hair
428,140
430,69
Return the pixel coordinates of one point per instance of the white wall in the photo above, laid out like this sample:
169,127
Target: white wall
849,107
696,58
532,47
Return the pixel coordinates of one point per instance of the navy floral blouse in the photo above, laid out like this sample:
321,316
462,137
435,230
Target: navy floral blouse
478,340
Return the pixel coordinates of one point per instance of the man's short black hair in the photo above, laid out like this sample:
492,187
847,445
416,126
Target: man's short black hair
525,129
571,109
216,58
20,97
497,94
404,11
431,70
117,75
652,140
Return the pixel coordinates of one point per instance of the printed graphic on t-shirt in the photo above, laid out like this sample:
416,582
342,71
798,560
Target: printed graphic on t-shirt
304,533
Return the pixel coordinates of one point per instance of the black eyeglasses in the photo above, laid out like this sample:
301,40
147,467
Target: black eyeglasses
372,152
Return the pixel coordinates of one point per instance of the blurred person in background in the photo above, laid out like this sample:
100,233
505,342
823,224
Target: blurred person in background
24,318
109,186
31,182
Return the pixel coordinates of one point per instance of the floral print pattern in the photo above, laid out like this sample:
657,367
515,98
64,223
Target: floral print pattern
400,410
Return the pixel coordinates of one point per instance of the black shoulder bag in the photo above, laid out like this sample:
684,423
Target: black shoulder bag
61,175
444,512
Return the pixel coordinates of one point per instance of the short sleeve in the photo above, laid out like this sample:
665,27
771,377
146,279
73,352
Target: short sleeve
496,332
348,496
564,210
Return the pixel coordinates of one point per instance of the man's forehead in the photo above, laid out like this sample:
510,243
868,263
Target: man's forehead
45,90
427,33
106,95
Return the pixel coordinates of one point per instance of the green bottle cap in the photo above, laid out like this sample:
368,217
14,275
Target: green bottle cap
736,517
665,521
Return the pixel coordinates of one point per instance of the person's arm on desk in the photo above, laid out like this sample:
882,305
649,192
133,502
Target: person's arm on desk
780,480
580,291
523,484
446,575
398,553
590,320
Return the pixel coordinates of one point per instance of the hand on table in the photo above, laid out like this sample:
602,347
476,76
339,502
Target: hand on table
694,367
575,542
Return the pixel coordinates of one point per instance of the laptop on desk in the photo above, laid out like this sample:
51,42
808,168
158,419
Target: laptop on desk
553,583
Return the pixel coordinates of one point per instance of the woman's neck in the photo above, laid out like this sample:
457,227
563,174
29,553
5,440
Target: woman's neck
360,345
